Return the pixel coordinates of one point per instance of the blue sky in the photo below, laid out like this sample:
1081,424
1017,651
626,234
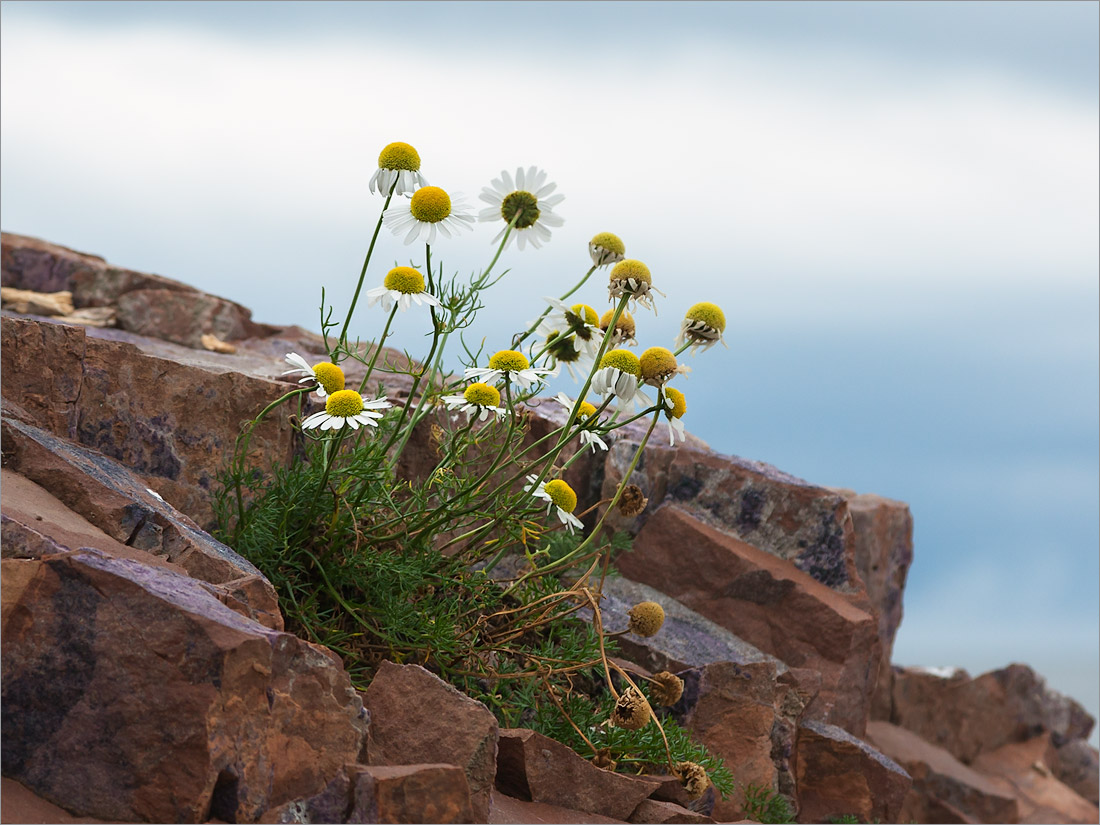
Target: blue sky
895,203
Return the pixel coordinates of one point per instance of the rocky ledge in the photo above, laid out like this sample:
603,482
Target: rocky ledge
147,675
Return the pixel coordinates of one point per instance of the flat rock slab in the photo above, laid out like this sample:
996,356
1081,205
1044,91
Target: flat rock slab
766,601
22,805
417,718
940,779
535,767
655,811
837,775
131,693
507,809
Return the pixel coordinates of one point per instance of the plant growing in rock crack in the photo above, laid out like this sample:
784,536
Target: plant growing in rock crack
477,567
766,805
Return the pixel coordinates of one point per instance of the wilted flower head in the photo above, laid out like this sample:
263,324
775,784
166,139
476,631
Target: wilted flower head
631,712
398,163
603,759
560,496
631,277
666,688
702,326
646,618
606,248
693,777
624,328
675,407
658,365
631,501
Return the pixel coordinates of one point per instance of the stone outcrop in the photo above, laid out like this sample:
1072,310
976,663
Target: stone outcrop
131,693
440,725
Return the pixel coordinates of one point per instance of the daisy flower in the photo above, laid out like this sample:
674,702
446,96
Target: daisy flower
618,375
558,494
624,328
428,212
403,286
398,163
606,248
479,399
631,277
675,407
510,365
703,324
528,202
329,377
586,411
346,408
580,322
658,366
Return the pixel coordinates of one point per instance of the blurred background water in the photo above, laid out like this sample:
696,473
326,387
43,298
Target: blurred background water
895,204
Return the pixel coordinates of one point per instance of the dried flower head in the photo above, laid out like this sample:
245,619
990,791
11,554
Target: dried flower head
631,711
632,502
666,688
632,278
624,328
658,365
603,759
606,248
693,777
702,327
646,618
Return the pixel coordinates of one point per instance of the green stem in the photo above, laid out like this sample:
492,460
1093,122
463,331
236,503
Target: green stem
378,348
518,341
343,341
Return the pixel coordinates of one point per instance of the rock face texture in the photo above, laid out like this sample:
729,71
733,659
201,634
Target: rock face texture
146,674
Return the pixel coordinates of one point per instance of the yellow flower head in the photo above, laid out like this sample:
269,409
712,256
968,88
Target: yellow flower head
399,156
404,279
622,360
679,403
344,403
657,365
482,395
329,376
509,360
707,313
562,495
430,204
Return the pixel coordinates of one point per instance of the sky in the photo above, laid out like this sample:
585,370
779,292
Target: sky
896,204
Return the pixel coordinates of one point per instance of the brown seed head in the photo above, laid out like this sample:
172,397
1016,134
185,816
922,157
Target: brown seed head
693,777
603,759
666,688
631,711
646,618
632,502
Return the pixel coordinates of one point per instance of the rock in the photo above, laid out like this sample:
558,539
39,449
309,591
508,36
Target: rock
939,779
507,809
837,774
131,693
216,344
532,766
969,716
182,317
744,715
671,789
419,718
1020,768
767,602
1076,764
19,804
652,810
178,437
775,512
114,500
883,553
36,303
686,639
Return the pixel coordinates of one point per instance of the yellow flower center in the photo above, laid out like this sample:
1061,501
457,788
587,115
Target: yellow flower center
404,279
622,360
710,314
625,324
612,243
482,395
585,313
586,411
344,403
508,360
399,156
329,376
630,268
562,495
679,403
430,204
657,363
523,206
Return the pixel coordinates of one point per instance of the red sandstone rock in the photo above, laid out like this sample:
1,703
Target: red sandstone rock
131,693
508,809
767,602
416,717
532,766
1020,768
837,774
969,716
1076,764
938,777
182,317
652,810
744,715
20,804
